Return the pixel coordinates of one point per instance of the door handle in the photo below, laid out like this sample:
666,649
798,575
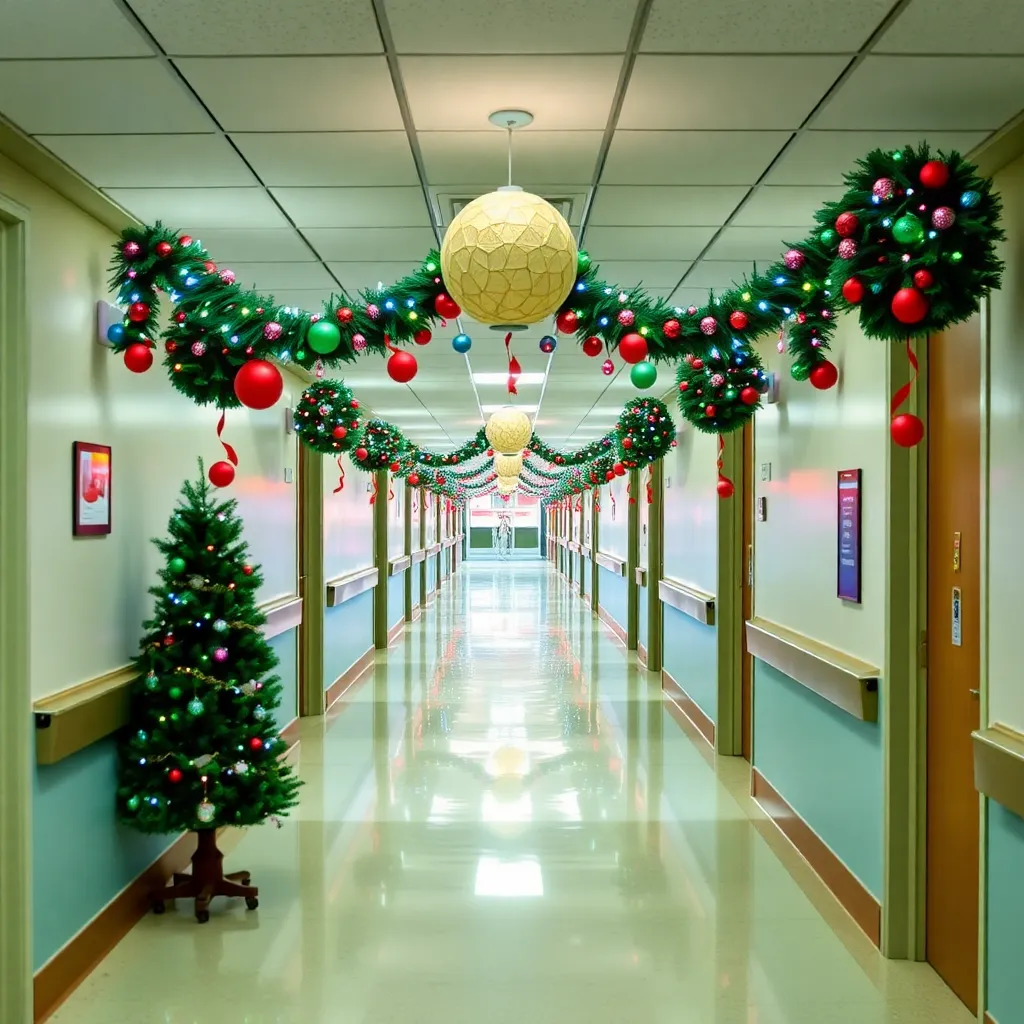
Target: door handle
975,694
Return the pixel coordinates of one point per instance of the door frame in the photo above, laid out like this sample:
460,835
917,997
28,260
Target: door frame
16,754
312,584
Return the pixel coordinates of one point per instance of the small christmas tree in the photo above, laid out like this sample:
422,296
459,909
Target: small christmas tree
201,750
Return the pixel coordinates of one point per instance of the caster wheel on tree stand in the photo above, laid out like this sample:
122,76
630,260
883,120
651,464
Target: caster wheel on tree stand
159,906
251,902
202,916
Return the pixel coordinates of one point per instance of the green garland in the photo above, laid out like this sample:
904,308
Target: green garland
719,392
381,447
579,457
476,445
327,418
645,432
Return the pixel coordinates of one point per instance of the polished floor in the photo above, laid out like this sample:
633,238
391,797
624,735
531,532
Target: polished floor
505,825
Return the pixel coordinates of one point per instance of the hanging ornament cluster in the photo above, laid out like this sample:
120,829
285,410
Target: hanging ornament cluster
327,418
645,432
380,447
719,391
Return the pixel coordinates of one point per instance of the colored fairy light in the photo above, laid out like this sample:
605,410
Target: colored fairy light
413,316
191,281
910,191
887,222
762,305
876,199
745,296
786,310
807,286
623,296
431,267
245,311
603,321
389,304
780,280
608,291
933,234
643,331
410,303
580,286
956,257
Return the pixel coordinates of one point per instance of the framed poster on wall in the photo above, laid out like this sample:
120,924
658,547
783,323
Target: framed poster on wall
92,478
848,546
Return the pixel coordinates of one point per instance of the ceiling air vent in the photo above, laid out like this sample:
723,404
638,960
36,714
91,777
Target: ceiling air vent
562,204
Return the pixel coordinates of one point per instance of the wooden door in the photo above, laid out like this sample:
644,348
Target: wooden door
953,646
747,561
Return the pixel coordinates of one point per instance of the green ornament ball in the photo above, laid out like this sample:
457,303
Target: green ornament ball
908,229
800,372
643,375
176,565
828,236
323,337
133,803
152,681
174,692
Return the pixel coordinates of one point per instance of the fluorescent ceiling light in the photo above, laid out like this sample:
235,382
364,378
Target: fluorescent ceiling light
518,408
502,378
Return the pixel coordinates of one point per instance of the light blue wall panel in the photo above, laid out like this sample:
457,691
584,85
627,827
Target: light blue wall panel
348,635
690,656
1005,914
286,647
396,599
612,595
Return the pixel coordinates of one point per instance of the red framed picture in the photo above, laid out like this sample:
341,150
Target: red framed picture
91,491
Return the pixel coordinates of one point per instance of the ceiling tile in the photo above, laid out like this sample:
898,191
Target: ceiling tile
93,97
690,295
928,94
330,158
311,300
665,205
56,28
683,243
718,274
654,275
458,93
193,209
690,157
225,27
785,205
447,196
951,26
357,276
295,94
526,26
375,245
151,161
354,207
787,26
764,244
538,157
823,158
275,277
709,92
267,245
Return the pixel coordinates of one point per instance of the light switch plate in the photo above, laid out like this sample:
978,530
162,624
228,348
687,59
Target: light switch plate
106,314
289,474
766,471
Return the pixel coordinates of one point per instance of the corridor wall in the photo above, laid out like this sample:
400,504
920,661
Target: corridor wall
88,595
613,539
690,557
395,497
1005,495
826,764
348,548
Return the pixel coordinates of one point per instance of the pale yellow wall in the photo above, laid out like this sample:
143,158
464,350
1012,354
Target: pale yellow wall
807,437
613,536
691,510
89,595
348,520
1006,455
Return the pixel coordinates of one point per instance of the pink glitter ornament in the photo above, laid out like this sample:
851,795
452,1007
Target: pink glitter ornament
372,311
847,249
691,310
227,276
221,654
942,218
883,188
794,259
131,250
717,380
132,274
199,348
708,325
272,331
358,342
626,317
607,367
781,346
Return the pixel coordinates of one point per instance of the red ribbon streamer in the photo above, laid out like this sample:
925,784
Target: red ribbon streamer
228,450
341,478
611,494
721,458
391,488
650,485
514,369
376,490
629,492
904,392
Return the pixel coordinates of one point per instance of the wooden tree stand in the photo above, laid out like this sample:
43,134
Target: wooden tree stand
207,880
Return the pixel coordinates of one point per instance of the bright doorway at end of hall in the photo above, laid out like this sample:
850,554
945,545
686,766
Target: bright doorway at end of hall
504,529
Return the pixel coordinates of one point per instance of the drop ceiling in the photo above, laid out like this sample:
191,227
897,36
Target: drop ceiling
319,145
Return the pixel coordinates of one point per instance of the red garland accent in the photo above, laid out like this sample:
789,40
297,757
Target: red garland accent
906,429
629,492
650,485
341,478
391,488
514,369
725,486
376,490
228,450
611,494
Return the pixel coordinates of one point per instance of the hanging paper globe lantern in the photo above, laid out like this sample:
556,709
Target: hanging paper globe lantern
509,257
258,384
508,465
507,486
508,431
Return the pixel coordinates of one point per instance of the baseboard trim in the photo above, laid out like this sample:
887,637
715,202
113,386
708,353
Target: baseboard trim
606,617
348,678
290,734
989,1019
688,706
641,653
840,880
395,630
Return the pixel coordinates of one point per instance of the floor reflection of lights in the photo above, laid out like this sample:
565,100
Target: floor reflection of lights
509,879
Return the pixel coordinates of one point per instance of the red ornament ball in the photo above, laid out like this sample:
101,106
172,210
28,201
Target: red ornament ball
748,396
413,479
255,743
422,337
185,240
221,474
446,307
592,346
909,306
138,357
174,775
684,385
697,364
362,454
170,346
619,469
610,474
853,290
906,429
180,317
633,348
710,411
394,467
847,224
627,443
671,328
344,314
247,570
923,279
258,384
138,312
934,174
725,487
567,321
738,320
339,433
164,249
824,375
402,366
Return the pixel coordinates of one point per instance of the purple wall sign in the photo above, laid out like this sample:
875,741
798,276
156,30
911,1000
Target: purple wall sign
848,585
